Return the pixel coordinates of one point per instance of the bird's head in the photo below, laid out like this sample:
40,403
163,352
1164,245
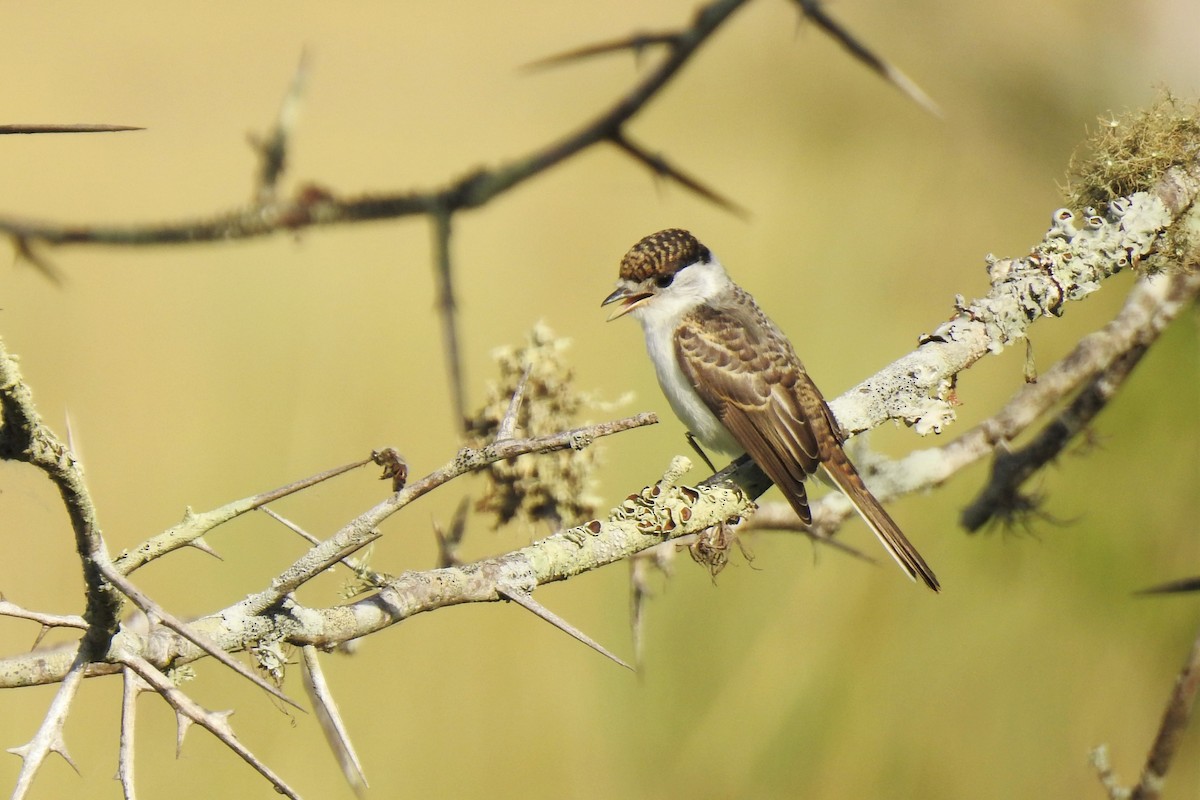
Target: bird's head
666,274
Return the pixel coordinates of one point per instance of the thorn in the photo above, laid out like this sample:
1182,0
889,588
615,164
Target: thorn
201,544
41,635
1173,587
814,11
509,423
635,43
25,252
661,167
220,721
5,129
330,719
59,746
182,724
527,602
448,542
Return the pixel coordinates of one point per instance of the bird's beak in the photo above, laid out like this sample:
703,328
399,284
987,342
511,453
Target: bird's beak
630,299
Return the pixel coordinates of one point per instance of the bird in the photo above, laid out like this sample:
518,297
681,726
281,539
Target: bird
734,380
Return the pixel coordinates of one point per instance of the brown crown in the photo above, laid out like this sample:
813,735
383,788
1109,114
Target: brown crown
662,253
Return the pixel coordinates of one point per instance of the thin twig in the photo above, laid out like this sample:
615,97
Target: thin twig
448,308
49,736
364,530
131,687
1010,469
9,609
1170,731
195,525
216,722
154,611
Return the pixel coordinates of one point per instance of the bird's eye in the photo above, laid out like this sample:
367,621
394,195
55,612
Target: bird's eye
663,281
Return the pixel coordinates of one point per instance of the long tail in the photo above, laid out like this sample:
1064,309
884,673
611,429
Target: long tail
838,467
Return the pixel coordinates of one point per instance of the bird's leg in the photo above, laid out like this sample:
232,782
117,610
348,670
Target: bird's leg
699,450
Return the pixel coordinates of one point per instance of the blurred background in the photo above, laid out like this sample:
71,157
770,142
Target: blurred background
195,375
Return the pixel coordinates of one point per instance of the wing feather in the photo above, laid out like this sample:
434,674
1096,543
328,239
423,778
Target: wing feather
750,389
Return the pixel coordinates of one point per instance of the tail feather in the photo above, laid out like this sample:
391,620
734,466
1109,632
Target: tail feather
847,479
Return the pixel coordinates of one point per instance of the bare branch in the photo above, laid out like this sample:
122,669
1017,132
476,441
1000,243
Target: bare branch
1166,742
316,207
1170,731
449,540
193,526
362,531
8,609
216,722
49,736
23,437
154,611
1010,469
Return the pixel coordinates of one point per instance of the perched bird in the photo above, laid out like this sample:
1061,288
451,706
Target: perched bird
734,380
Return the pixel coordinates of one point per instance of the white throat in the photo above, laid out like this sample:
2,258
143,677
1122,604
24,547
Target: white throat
694,285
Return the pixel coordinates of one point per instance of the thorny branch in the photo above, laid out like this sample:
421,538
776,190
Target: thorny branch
315,205
918,389
1174,722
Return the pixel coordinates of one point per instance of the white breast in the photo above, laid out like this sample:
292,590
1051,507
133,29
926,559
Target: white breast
659,319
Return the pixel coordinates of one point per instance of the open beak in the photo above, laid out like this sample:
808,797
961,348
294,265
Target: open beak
629,298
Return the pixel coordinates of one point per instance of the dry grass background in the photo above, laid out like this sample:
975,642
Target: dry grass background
196,375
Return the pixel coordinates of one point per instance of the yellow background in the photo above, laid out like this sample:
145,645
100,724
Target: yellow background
195,375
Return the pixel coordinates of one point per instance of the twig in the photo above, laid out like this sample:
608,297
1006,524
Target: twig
1166,742
8,609
49,736
448,309
195,525
131,687
216,722
23,437
1010,469
1170,731
363,530
449,540
154,611
354,565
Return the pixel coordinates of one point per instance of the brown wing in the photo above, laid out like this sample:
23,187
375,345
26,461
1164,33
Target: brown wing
746,373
